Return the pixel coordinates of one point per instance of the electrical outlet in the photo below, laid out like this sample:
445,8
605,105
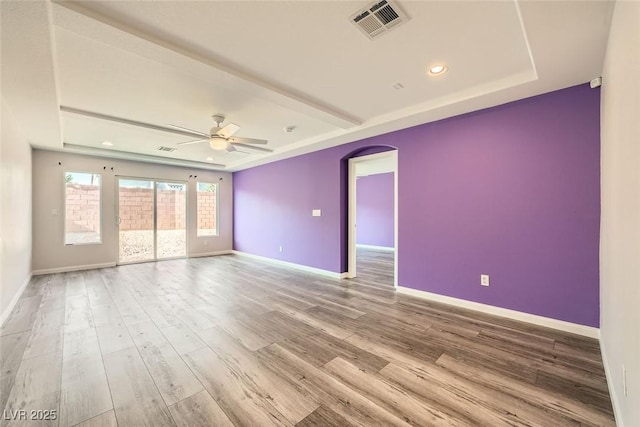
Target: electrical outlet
624,381
484,279
280,249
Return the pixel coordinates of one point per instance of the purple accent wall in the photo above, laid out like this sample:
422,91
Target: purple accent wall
512,191
374,210
273,205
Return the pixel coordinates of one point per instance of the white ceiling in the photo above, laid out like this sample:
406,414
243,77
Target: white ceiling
375,166
268,65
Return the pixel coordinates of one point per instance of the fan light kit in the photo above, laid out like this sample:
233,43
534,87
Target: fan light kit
437,69
217,143
221,138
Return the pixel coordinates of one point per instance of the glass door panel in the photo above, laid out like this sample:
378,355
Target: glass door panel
171,208
136,219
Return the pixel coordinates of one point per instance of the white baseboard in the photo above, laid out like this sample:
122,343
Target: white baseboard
205,254
300,267
574,328
7,311
376,248
617,412
73,268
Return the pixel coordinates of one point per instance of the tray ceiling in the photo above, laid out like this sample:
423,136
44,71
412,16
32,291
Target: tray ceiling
306,66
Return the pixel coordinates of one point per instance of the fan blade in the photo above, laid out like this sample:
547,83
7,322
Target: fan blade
266,150
193,142
189,130
238,139
228,130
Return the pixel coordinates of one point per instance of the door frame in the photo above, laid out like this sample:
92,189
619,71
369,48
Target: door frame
351,239
155,216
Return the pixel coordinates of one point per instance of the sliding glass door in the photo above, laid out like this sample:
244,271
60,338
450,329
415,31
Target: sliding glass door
151,220
136,220
171,240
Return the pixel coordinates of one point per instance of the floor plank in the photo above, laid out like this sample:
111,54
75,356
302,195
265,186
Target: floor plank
282,394
182,338
106,419
85,392
22,316
174,379
238,400
566,406
113,338
324,417
199,410
46,332
36,388
106,314
136,400
479,405
375,265
77,313
327,390
394,400
96,290
11,352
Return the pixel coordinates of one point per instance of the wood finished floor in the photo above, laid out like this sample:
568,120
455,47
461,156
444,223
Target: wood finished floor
375,266
231,341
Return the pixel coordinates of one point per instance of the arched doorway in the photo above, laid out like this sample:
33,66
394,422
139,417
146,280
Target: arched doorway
352,164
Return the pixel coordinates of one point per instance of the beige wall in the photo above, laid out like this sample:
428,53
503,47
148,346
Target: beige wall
620,224
15,211
49,251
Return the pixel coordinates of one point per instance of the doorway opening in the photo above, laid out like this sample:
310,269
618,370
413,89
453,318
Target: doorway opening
152,217
373,217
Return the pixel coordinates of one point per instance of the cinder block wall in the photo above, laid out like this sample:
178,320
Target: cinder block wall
136,209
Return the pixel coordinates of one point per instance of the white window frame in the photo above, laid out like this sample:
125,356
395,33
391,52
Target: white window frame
64,180
216,213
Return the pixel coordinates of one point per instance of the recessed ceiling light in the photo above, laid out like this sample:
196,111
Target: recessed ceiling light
209,159
436,70
107,144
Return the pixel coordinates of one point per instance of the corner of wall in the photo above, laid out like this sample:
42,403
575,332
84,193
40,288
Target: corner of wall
620,213
6,311
15,213
609,375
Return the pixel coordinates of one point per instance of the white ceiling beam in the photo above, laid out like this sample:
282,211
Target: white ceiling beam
29,83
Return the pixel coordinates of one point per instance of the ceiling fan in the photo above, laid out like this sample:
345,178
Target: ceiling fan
221,138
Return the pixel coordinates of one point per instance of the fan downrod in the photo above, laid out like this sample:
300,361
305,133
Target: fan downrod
218,119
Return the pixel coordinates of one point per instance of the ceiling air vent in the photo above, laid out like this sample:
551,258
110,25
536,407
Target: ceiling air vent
167,149
378,18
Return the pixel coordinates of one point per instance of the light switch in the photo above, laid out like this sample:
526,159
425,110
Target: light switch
54,212
484,280
316,212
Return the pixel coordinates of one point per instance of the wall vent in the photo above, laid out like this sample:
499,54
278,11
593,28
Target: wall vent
167,149
378,18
